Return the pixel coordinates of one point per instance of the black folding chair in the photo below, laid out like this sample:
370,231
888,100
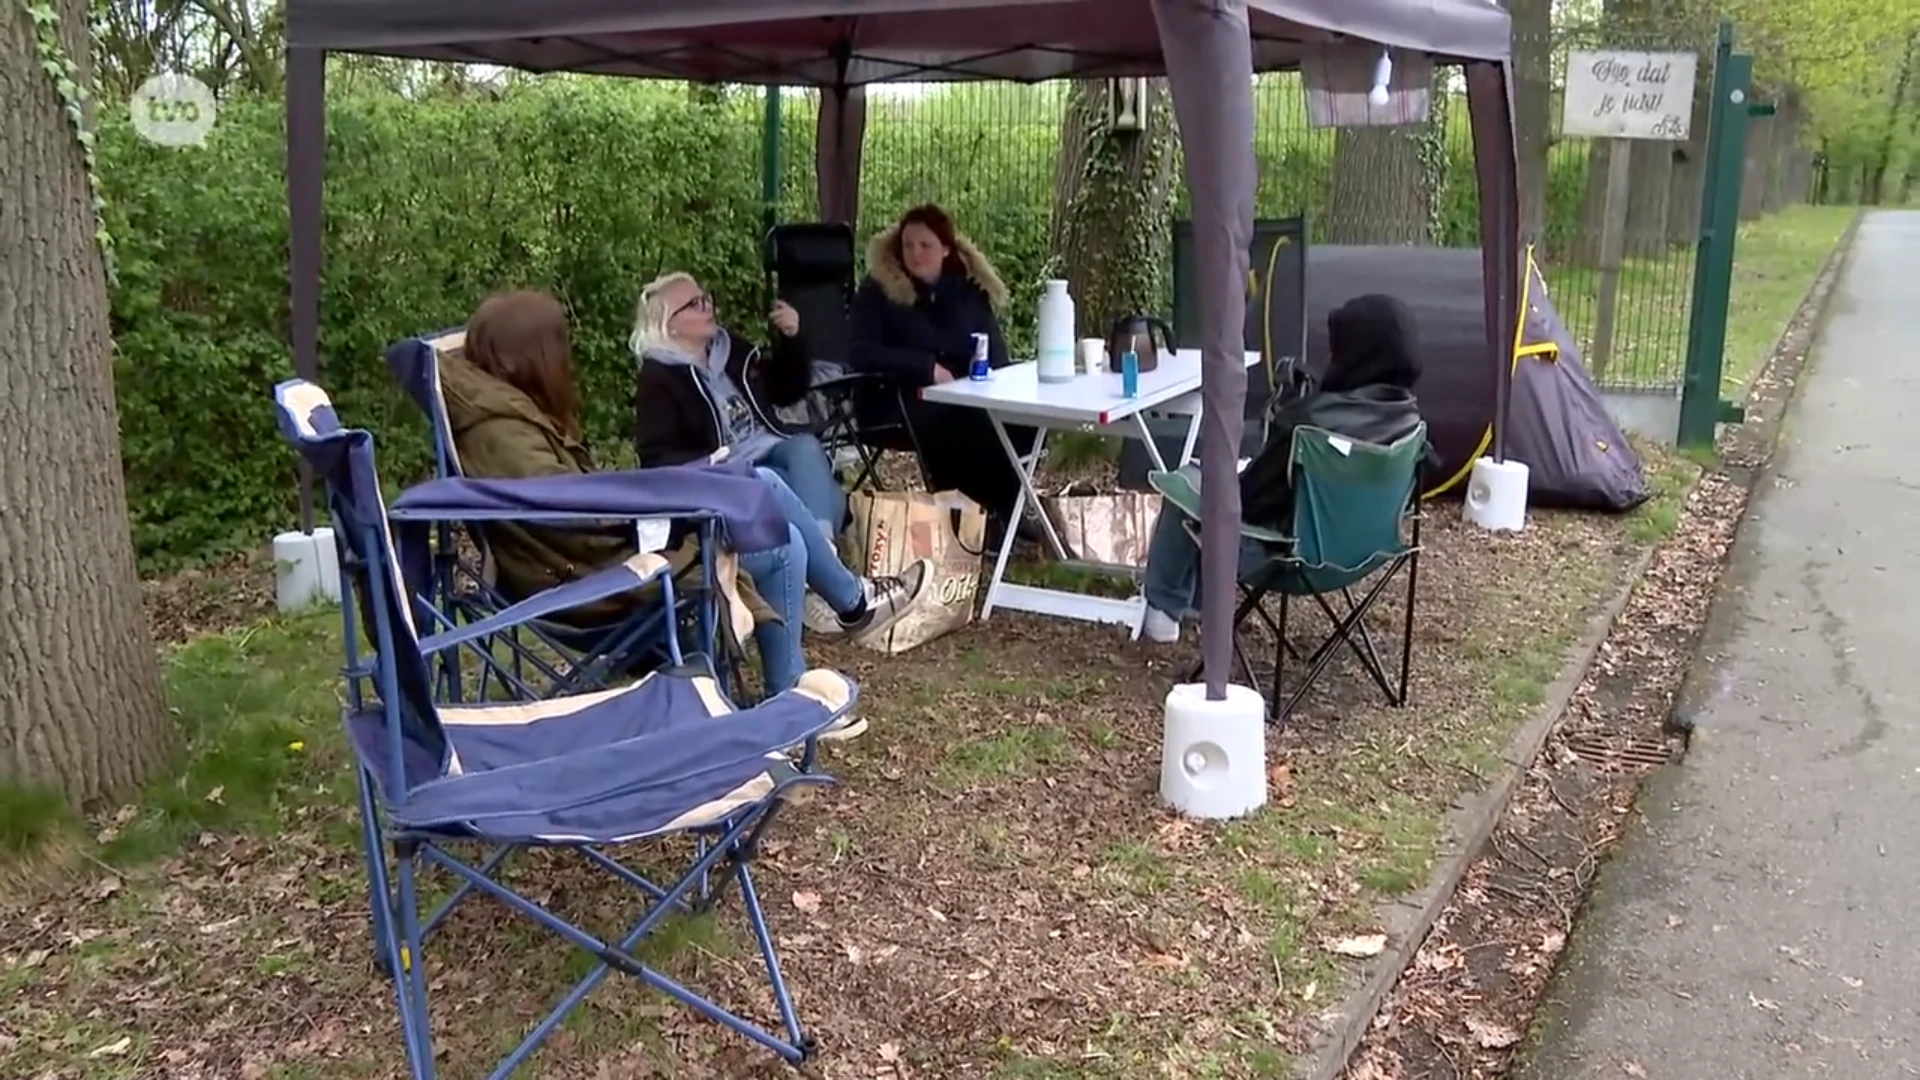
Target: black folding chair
811,266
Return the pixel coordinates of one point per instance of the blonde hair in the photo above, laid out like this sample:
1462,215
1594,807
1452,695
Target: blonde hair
651,313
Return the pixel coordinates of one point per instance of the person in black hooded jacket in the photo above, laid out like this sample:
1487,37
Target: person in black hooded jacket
1366,395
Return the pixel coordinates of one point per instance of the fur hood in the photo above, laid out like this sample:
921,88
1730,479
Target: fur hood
884,266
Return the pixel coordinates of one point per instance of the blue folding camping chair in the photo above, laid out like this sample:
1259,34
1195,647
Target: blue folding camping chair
458,591
665,755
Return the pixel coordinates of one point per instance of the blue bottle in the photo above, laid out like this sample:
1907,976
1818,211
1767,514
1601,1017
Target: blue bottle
1130,372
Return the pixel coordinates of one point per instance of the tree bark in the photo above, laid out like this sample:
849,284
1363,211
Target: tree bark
1112,225
1690,161
1533,111
1380,192
1757,169
80,706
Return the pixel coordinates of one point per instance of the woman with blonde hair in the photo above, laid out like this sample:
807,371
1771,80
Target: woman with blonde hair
699,390
700,387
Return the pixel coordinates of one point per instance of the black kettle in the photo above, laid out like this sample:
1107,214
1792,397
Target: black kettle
1144,334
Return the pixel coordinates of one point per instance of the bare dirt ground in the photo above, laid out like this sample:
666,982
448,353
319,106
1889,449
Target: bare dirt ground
992,890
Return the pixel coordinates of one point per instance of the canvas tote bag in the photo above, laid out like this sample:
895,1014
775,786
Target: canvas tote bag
891,529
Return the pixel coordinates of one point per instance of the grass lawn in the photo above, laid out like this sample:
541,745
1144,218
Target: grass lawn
1775,261
992,890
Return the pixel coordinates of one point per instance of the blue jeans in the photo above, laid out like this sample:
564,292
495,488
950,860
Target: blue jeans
802,462
1172,583
824,573
779,575
782,575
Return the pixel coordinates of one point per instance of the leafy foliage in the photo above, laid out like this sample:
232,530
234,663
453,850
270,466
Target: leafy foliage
583,187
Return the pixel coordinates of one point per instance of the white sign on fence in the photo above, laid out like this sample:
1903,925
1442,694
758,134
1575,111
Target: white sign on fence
1629,95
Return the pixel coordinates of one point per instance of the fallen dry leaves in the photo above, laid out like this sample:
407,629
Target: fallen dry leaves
1473,985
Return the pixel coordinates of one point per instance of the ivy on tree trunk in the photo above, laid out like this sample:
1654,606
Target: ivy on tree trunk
1112,223
80,707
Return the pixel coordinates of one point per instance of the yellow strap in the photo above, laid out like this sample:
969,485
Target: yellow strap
1519,331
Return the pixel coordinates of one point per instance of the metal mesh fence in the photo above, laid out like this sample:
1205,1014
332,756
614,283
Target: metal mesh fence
989,153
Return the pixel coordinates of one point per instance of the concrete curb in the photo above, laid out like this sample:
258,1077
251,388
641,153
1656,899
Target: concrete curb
1470,825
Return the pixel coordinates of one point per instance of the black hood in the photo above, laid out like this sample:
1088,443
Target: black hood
1371,342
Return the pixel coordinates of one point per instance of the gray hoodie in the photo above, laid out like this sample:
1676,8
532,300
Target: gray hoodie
746,437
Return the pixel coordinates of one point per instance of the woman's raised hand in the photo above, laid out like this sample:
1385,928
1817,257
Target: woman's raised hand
784,318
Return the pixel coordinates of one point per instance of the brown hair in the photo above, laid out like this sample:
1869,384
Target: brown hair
522,339
935,220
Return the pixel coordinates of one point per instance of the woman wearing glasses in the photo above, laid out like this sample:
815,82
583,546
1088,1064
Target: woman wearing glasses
700,389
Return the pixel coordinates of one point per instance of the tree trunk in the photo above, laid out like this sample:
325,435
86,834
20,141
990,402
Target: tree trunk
1784,173
1757,170
80,707
1112,227
1380,191
1533,111
1690,161
1901,85
1633,24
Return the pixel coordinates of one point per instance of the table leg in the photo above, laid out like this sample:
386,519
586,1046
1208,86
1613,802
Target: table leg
1025,468
1146,437
1193,436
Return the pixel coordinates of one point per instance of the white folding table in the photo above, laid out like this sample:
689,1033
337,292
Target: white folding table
1091,403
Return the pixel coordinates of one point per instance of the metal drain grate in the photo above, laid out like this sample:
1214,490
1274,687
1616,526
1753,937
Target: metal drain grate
1618,755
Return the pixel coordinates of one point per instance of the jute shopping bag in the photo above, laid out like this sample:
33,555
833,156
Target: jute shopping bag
891,529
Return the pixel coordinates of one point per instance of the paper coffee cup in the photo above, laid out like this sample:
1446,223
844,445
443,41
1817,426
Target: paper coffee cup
1093,355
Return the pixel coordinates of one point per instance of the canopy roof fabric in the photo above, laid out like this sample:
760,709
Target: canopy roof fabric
857,42
1208,50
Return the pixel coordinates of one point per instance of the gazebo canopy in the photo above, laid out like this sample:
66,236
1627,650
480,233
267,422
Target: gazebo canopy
856,42
1207,49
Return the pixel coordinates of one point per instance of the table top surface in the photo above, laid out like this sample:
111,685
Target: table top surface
1093,398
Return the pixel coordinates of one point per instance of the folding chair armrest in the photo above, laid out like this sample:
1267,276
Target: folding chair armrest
635,573
848,382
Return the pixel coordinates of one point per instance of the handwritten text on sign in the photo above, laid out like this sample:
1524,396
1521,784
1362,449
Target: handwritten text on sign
1629,95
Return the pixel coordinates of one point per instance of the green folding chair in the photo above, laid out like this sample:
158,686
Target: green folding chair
1356,522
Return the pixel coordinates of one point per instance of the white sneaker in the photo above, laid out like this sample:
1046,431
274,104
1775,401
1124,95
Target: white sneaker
888,598
819,617
1160,627
847,727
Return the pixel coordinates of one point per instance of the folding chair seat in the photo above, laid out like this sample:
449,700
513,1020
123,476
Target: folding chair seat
461,590
666,755
1356,522
811,265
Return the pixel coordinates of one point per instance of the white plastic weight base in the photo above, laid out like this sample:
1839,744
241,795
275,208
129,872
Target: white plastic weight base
306,569
1497,495
1213,757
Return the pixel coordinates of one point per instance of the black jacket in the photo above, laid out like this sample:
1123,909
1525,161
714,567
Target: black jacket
901,327
1378,414
904,342
674,420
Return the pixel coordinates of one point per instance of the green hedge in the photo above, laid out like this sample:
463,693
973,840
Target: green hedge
583,187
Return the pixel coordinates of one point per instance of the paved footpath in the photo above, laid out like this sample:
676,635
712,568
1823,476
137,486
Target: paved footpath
1763,920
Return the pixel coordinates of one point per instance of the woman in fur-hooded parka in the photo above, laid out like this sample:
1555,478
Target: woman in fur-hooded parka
928,290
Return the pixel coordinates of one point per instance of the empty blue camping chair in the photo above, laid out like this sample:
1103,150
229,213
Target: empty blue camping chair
665,755
462,590
1356,518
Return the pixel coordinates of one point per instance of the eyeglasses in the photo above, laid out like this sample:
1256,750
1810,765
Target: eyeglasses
702,302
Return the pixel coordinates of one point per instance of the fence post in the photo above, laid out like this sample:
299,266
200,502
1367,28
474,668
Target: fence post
1700,405
770,160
